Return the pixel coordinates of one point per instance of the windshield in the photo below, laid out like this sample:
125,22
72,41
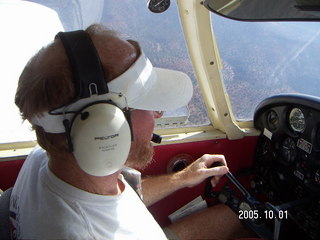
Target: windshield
261,59
29,25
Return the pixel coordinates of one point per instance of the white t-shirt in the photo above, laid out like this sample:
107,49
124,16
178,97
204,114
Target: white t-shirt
43,206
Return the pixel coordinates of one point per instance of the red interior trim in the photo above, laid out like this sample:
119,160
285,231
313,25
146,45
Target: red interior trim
9,171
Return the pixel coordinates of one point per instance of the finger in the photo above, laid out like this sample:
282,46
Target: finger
215,181
221,159
210,159
217,171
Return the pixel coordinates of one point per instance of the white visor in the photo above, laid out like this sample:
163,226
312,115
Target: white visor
141,87
155,89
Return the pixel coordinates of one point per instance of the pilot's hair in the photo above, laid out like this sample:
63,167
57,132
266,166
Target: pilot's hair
46,83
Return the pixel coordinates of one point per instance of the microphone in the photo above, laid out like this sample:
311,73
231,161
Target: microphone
156,138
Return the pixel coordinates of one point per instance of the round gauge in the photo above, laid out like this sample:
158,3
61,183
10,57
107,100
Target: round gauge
288,150
272,120
158,6
297,121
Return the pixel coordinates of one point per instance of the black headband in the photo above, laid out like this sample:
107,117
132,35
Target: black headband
85,63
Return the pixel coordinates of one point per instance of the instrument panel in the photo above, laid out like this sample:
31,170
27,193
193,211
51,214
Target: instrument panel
287,161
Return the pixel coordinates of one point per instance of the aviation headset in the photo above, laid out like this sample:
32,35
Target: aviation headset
99,135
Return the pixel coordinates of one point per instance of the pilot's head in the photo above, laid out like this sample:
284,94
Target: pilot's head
50,96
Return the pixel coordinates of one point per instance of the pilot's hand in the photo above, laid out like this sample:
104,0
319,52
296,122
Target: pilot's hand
201,169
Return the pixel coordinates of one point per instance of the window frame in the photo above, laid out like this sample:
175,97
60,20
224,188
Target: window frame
204,54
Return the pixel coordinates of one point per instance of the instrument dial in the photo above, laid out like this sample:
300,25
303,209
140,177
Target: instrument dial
158,6
289,150
272,120
297,120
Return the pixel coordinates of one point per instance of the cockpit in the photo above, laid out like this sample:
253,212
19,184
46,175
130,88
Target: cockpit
255,98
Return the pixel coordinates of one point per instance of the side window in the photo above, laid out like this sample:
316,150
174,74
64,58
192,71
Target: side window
262,59
25,28
160,35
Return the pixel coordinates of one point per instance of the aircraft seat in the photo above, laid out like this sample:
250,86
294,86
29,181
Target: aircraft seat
4,214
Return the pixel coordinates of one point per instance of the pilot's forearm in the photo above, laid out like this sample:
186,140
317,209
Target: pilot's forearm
156,188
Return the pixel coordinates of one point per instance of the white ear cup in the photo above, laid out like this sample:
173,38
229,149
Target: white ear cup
101,139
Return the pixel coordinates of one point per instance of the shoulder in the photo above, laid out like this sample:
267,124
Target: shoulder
38,153
35,160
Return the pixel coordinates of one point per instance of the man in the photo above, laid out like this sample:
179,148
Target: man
62,193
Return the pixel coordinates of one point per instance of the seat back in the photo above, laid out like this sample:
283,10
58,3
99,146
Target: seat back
4,214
